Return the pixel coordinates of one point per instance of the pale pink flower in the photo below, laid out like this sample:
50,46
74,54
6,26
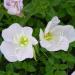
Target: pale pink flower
18,43
14,7
73,73
56,37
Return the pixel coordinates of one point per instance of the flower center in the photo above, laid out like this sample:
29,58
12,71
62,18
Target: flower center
23,41
48,36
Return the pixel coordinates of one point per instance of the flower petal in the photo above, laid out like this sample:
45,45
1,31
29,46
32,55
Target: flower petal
60,43
5,3
33,41
13,11
24,53
73,73
28,30
41,34
8,50
44,43
10,32
68,31
14,7
51,24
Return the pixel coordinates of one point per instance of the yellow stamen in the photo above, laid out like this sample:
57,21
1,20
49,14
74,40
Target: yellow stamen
48,36
23,41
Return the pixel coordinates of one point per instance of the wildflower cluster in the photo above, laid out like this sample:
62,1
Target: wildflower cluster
25,37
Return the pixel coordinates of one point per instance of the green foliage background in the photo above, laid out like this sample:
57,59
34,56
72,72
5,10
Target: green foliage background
37,13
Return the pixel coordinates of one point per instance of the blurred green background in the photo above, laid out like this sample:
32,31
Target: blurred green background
37,13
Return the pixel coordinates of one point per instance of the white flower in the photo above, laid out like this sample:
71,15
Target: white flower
18,43
14,7
73,73
56,37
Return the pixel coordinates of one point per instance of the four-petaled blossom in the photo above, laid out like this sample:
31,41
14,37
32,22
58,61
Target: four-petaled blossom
73,73
14,7
18,43
56,37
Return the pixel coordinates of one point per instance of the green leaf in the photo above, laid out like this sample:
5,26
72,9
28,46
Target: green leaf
2,73
60,73
72,44
71,11
37,6
54,2
9,67
29,67
11,73
65,57
49,73
61,66
50,12
18,65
